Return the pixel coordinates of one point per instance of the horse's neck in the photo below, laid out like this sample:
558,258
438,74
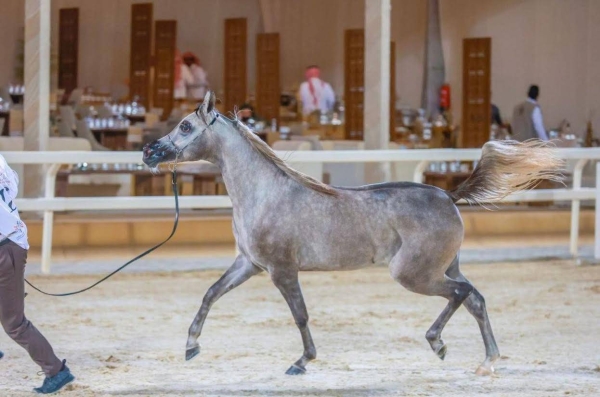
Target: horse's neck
248,175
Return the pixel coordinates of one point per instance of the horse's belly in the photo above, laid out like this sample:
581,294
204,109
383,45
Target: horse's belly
348,255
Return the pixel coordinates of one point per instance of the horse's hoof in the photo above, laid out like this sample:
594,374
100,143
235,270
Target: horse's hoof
192,352
441,352
295,370
485,370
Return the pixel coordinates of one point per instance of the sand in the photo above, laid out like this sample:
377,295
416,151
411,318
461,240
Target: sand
127,337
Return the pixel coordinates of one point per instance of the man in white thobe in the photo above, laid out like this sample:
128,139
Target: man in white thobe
315,93
197,88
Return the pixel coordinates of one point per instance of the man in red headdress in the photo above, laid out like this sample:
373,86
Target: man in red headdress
315,93
199,85
183,77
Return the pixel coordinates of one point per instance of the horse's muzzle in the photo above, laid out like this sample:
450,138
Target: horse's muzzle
155,153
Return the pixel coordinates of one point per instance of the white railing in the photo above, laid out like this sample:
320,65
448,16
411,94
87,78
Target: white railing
49,203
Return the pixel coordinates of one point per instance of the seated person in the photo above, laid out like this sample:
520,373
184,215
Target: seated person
496,119
247,115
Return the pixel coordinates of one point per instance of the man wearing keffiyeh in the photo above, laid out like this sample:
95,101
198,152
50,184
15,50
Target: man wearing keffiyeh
315,93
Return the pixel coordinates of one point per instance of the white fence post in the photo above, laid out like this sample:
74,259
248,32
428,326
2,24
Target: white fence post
597,210
48,225
419,170
575,206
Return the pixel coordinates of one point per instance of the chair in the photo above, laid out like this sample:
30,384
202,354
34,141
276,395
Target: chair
75,97
68,114
83,111
83,131
64,130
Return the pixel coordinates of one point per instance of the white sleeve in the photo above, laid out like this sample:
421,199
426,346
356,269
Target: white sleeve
186,75
200,76
538,124
8,220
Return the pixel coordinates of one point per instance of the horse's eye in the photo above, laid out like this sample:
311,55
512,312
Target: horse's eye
185,126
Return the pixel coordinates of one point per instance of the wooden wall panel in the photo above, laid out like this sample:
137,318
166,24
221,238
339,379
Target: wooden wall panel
165,44
354,82
476,92
268,90
140,60
68,48
236,79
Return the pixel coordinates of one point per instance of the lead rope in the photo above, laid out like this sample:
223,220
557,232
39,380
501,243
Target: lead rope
173,169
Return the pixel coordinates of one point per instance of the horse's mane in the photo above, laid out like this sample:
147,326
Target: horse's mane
265,150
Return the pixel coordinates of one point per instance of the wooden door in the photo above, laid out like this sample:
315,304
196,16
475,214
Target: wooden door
235,62
354,82
268,90
165,43
68,48
140,58
476,112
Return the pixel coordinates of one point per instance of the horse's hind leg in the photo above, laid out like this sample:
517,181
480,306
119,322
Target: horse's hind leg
241,270
475,304
423,272
287,283
456,292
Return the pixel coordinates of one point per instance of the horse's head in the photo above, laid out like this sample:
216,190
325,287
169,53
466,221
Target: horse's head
192,139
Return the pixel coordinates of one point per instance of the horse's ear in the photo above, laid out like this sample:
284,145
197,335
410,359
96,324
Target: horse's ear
208,104
211,102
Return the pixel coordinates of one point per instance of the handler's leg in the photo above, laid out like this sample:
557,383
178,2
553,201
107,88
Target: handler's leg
12,317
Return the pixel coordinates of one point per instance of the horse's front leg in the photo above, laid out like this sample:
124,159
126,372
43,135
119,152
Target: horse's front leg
241,270
287,283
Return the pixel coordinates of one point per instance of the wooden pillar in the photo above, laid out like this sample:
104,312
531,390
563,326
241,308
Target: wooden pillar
140,56
377,79
236,79
476,108
68,48
37,89
435,74
354,83
164,71
267,76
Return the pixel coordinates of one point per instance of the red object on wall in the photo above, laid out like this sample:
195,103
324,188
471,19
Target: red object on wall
445,96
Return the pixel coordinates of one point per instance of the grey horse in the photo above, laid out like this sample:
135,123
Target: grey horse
285,222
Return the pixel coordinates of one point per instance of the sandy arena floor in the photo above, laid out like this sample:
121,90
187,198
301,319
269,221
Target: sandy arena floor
127,337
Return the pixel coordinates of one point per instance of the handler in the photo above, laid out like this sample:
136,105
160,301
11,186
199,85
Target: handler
13,257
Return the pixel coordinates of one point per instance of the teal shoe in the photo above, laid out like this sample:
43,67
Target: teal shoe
56,382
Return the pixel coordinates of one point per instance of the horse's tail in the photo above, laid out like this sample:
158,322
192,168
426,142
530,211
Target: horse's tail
507,167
